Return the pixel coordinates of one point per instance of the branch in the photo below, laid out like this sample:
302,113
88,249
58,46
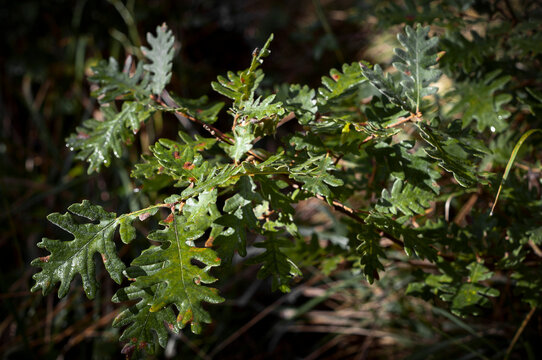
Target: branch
166,100
401,120
351,213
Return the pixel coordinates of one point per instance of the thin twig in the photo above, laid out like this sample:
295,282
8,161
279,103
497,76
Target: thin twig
518,333
465,210
340,330
400,121
87,332
166,100
261,315
512,12
535,248
322,349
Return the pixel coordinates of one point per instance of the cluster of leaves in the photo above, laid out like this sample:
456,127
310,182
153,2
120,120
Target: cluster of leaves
396,124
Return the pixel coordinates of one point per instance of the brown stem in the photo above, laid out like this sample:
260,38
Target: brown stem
352,214
402,120
167,100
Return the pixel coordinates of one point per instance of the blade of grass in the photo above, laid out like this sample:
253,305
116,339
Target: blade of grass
511,162
463,325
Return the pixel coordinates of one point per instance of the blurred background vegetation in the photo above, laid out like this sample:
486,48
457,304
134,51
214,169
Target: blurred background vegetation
47,50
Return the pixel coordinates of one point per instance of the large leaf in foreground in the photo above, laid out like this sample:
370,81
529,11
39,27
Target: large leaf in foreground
181,280
69,258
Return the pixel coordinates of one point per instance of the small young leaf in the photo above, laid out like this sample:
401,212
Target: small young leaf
243,135
257,109
241,86
340,83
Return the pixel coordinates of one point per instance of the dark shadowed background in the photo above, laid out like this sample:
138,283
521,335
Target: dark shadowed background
46,51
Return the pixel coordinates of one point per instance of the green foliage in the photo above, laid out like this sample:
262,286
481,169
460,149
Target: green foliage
142,323
241,86
181,163
339,83
160,56
415,64
275,263
315,176
239,218
172,275
398,180
405,198
370,252
76,256
299,99
115,84
453,155
478,102
97,141
465,295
